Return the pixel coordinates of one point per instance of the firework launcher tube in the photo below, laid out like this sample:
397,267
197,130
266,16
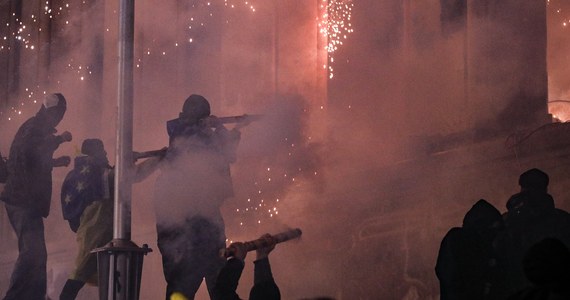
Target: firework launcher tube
239,119
260,243
243,119
147,154
172,125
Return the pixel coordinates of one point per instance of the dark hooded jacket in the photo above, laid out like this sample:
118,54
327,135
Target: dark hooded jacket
30,164
468,266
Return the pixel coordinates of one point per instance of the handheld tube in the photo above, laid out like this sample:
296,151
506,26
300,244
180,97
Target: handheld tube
260,243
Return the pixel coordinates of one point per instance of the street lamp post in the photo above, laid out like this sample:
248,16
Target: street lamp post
120,261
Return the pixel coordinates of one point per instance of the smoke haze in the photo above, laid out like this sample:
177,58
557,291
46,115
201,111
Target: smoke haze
359,162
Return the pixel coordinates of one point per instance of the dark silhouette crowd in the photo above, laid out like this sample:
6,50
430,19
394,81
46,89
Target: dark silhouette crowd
521,254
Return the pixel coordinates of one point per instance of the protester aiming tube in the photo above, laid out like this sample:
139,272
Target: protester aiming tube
261,242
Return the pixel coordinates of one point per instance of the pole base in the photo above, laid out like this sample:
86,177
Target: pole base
120,269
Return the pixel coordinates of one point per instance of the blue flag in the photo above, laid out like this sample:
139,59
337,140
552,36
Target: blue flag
82,185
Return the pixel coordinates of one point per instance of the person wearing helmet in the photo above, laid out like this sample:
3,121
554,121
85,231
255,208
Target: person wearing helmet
27,194
196,109
194,182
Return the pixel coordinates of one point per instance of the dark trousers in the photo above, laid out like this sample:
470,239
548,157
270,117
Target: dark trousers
190,254
71,289
28,279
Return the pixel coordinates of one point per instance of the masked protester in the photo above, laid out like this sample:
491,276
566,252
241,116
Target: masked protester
469,266
194,182
27,194
87,204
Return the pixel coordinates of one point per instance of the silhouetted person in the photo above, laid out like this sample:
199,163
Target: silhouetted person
27,194
194,182
547,267
87,204
533,201
531,217
468,266
264,287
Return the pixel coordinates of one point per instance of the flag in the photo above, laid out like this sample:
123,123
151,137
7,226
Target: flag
82,185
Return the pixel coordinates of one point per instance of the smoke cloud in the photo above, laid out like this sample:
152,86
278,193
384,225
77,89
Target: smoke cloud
370,164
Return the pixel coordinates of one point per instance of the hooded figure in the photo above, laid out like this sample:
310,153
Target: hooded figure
27,194
468,266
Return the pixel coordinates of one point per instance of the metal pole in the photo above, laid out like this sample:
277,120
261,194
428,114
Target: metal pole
124,160
120,261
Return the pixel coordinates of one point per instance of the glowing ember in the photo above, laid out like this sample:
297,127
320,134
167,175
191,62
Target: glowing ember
24,35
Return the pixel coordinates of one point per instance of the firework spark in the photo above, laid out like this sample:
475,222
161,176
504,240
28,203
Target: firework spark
335,25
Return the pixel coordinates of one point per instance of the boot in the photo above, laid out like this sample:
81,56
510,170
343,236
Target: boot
71,289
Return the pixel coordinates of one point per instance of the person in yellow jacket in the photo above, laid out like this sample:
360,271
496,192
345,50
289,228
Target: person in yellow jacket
87,204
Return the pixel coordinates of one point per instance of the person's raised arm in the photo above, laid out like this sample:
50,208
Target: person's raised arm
148,166
228,278
264,285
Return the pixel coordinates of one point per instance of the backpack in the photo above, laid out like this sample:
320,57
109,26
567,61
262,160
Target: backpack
3,170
